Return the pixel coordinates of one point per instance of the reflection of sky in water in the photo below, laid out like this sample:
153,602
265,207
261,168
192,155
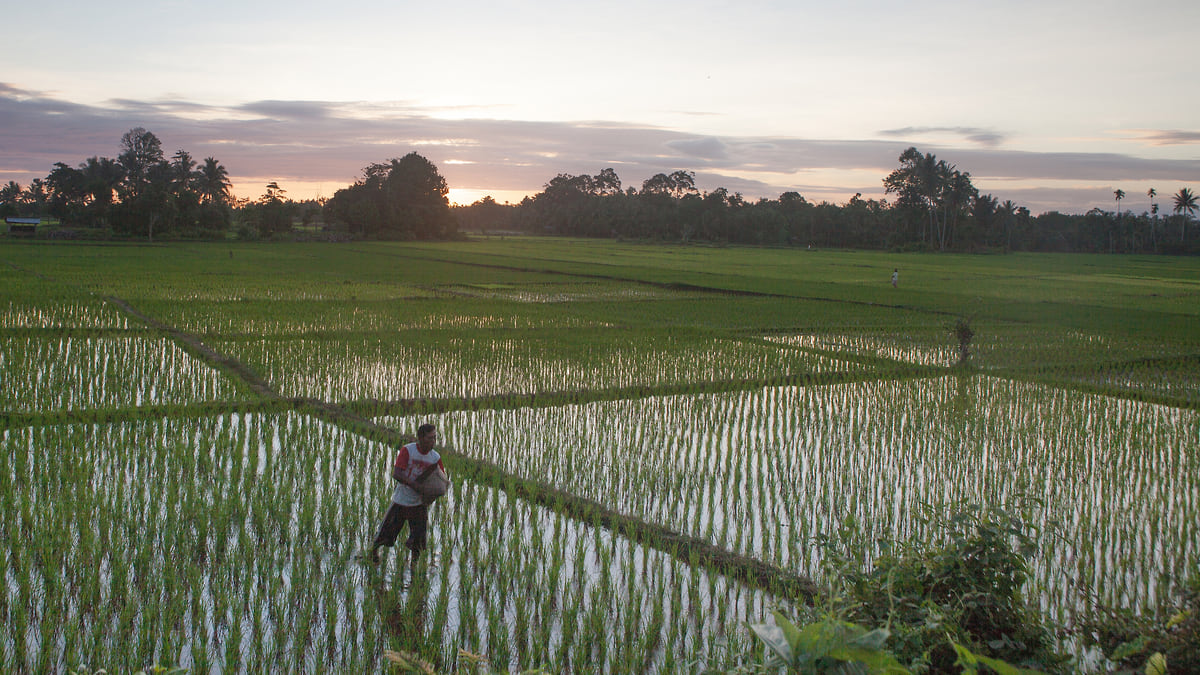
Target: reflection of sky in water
65,315
232,538
865,345
336,370
501,558
72,373
762,472
1009,345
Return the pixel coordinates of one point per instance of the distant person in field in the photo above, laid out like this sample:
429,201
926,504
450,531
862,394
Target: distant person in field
895,277
414,465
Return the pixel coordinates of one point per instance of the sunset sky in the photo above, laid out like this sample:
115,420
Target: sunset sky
1052,104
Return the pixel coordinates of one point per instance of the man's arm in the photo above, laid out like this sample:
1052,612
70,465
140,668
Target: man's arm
398,474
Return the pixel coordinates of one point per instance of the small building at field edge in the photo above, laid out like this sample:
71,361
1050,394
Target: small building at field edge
22,225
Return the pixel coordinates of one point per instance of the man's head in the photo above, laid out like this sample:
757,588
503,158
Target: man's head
426,437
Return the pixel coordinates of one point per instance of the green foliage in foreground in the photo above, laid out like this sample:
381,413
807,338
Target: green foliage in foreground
1172,637
826,646
964,589
955,606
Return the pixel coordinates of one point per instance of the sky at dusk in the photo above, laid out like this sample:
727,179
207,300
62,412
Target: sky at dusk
1052,104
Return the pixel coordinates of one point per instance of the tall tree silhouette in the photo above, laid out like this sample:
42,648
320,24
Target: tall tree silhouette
920,181
1185,204
1151,193
212,182
141,153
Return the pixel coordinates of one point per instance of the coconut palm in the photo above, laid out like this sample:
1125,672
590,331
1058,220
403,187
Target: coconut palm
930,174
1185,205
1152,193
11,193
212,181
182,174
1007,213
102,176
958,193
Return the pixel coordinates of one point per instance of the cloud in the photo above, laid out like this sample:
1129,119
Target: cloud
331,142
1167,136
290,110
984,137
701,148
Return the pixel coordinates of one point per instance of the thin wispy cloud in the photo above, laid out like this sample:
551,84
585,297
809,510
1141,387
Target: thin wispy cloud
985,137
293,110
1167,136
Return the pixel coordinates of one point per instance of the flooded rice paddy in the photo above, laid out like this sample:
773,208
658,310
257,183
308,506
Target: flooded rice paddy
76,373
469,367
764,472
229,545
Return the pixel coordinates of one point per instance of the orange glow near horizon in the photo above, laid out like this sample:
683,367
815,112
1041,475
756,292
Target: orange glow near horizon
298,190
468,196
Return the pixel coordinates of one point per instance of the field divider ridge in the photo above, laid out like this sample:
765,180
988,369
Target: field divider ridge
11,419
667,285
375,408
688,549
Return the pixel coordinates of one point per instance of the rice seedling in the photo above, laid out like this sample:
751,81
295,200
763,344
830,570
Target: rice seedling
70,373
764,472
469,366
221,541
160,581
265,582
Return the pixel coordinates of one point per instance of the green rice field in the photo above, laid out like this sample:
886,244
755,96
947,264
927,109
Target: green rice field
647,442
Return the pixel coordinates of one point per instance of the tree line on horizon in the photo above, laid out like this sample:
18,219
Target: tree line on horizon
142,193
936,208
139,193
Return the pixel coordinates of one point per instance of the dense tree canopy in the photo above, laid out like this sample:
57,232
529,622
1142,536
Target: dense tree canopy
402,199
936,207
140,193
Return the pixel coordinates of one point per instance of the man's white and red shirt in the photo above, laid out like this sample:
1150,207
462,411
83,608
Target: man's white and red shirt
411,462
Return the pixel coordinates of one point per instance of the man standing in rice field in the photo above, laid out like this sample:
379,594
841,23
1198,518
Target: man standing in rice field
414,463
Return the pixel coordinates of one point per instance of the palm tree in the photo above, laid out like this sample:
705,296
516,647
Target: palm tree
1119,194
1152,193
182,175
1007,212
983,209
213,182
11,193
1185,204
918,182
959,192
36,195
930,175
101,177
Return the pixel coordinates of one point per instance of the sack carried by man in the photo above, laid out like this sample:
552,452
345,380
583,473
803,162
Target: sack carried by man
433,483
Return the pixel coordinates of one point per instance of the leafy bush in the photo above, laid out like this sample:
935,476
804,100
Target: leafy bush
962,590
826,646
1135,643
